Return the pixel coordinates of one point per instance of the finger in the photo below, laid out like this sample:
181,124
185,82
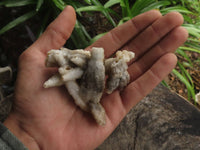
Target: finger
57,32
138,89
117,37
154,33
168,44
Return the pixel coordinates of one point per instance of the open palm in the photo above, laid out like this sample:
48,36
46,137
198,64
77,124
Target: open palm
50,117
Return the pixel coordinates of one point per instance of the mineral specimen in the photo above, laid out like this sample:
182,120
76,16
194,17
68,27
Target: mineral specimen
197,96
92,84
116,68
83,74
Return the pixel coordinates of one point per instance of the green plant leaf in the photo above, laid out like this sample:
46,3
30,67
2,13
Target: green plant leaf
96,2
186,64
110,3
78,33
90,8
75,5
126,10
97,8
193,30
85,32
175,8
182,53
97,37
17,3
189,49
165,84
17,21
156,5
185,81
88,2
39,4
59,4
105,12
123,20
139,5
186,74
194,40
192,44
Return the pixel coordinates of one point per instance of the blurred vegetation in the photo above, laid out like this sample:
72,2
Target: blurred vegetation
115,12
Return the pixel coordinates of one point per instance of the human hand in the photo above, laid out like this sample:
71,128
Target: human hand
49,119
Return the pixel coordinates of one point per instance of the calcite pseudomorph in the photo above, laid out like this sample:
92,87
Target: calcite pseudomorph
83,74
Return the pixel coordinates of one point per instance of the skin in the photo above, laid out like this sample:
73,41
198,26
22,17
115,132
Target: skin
47,119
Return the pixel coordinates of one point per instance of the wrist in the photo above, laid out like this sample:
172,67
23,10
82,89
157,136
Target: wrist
14,125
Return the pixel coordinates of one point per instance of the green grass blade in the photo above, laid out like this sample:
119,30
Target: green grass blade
17,3
193,33
187,18
139,5
156,5
182,53
195,27
189,49
197,61
79,34
107,15
97,7
126,10
186,64
193,40
85,32
105,12
39,4
192,44
88,2
17,21
165,84
123,3
187,84
175,8
186,74
123,20
189,94
193,30
110,3
97,37
90,8
114,13
75,5
59,4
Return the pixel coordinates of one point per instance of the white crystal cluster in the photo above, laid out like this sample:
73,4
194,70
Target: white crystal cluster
83,74
197,96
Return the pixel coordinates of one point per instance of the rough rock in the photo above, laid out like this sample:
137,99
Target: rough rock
161,121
